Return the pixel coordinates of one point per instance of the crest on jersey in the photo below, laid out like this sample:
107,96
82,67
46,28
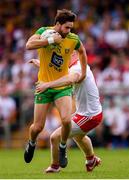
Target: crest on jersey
67,51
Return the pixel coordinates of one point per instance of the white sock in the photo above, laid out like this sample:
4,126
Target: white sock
33,143
62,145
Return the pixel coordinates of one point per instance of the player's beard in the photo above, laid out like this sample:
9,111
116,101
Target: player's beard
63,34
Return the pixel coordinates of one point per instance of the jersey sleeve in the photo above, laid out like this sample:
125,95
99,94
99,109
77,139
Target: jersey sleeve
78,44
41,30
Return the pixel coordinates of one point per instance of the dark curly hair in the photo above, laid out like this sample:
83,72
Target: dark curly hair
64,16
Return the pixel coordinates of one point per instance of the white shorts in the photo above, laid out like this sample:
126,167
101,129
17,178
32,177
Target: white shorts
76,130
83,124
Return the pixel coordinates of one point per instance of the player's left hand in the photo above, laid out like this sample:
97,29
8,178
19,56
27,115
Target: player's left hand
41,87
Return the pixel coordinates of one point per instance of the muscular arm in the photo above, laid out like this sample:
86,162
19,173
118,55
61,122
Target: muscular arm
69,79
83,61
66,80
35,42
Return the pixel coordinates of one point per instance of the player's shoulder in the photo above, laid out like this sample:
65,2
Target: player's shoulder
72,36
42,29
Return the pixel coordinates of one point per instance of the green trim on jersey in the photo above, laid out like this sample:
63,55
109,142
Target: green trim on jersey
41,30
50,95
75,37
78,45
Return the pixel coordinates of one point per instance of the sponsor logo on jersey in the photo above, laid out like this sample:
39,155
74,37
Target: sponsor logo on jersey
56,61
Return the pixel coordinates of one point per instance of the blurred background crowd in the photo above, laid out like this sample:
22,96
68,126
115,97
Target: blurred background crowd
103,27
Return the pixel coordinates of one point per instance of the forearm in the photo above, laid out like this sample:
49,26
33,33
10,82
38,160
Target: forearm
83,62
64,81
36,44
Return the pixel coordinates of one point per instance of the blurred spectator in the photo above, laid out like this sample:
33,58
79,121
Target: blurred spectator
125,74
7,114
117,37
110,76
116,121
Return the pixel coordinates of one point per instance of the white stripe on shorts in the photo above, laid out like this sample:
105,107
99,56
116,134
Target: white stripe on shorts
75,130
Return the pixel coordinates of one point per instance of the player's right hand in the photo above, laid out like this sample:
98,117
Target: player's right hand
57,38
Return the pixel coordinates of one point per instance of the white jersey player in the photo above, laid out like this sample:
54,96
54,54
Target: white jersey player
88,108
87,116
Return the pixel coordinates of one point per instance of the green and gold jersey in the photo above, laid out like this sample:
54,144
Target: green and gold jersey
55,58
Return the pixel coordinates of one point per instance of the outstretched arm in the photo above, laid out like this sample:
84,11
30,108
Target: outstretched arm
66,80
71,78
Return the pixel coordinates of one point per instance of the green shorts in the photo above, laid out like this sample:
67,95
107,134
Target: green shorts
50,95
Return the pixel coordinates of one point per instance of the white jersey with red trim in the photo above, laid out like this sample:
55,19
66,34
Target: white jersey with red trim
86,94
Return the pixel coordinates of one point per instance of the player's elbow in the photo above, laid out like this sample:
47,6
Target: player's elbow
28,46
82,77
70,82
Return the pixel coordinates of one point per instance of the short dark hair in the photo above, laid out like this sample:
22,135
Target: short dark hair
64,16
